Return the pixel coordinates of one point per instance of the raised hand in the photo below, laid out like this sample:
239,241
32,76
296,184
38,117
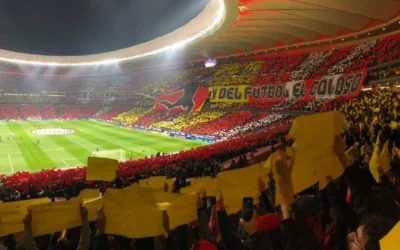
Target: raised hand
83,211
283,169
220,199
28,219
283,166
199,201
101,220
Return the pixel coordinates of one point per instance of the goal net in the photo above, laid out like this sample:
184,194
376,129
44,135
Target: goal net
117,154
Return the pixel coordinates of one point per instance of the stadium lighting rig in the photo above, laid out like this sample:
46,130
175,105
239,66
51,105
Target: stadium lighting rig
218,19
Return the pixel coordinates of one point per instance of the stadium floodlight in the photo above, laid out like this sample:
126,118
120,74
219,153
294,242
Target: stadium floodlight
218,19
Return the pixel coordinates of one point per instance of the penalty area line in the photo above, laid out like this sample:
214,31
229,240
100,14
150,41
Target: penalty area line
66,164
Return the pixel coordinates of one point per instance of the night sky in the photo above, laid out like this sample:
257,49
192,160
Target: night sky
82,27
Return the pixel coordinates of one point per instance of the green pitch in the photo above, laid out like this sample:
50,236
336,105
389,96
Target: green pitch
23,153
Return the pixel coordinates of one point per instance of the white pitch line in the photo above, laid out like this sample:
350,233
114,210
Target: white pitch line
66,164
9,160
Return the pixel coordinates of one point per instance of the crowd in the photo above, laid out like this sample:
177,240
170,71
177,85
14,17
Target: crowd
392,71
108,112
354,211
218,127
385,50
131,116
336,56
38,112
309,64
156,116
188,120
257,125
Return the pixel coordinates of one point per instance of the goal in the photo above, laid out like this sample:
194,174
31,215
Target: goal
117,154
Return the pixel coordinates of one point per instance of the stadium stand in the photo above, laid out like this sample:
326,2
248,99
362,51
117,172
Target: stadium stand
48,112
218,127
188,120
111,112
8,112
368,165
155,116
131,116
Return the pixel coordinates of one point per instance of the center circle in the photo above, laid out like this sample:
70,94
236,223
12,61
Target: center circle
53,131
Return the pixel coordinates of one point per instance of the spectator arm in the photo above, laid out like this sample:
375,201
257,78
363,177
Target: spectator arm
84,240
204,229
29,241
296,234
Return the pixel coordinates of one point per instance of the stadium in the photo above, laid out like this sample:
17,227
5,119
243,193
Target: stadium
171,124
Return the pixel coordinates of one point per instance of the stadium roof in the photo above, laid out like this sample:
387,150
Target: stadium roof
267,24
234,27
85,27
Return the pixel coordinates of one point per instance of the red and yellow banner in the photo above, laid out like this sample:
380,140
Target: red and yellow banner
348,85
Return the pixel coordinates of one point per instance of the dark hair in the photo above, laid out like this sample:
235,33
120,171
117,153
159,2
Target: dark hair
375,228
380,203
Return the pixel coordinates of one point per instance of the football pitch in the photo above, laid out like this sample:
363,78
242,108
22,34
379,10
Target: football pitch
24,153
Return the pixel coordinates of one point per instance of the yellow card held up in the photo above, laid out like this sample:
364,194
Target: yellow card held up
56,216
392,240
93,205
118,205
143,207
207,184
317,129
12,213
181,209
101,169
315,159
88,194
373,164
238,184
385,157
394,125
133,211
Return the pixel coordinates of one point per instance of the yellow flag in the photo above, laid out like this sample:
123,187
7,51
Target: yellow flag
373,164
384,157
88,194
238,184
56,216
347,152
12,213
397,151
207,184
269,163
118,205
156,182
314,137
392,240
316,129
93,205
101,169
133,211
394,125
289,152
148,217
181,209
